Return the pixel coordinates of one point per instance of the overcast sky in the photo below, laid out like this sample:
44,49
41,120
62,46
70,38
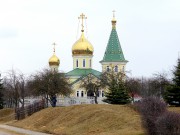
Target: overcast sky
148,30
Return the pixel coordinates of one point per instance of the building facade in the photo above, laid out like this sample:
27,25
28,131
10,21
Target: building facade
82,54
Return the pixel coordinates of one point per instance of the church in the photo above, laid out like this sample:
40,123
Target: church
82,54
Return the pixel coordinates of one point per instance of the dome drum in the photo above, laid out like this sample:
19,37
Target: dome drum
53,64
81,52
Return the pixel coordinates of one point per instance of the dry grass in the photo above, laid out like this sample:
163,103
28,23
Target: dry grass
6,115
85,120
174,109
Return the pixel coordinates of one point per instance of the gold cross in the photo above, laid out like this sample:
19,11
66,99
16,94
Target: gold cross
82,16
54,46
113,13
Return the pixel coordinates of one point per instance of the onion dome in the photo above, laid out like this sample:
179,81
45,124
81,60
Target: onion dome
54,61
82,46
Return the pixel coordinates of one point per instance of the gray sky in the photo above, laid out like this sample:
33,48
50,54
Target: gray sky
148,30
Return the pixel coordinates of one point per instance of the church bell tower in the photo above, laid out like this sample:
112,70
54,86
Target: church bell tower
113,57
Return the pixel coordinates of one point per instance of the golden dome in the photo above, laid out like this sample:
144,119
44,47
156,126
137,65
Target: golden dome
82,46
54,61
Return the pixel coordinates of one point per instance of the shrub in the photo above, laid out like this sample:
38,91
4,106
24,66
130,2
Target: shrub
168,124
150,109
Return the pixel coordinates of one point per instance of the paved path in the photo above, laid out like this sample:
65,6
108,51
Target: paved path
19,130
4,133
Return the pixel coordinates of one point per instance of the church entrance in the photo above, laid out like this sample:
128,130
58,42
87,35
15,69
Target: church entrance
90,93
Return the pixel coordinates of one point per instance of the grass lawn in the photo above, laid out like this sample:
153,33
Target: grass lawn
6,115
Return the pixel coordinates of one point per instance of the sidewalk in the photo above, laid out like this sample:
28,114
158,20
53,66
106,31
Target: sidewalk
21,130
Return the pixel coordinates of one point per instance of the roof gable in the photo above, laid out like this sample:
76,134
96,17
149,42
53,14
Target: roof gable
83,72
82,77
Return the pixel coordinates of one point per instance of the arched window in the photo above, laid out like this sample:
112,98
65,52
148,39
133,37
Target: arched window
123,69
82,93
90,63
102,93
76,63
116,69
108,69
77,93
84,64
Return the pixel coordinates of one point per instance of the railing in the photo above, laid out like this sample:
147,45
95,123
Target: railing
22,112
66,101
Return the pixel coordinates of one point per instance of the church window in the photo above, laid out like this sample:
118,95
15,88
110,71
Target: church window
102,93
77,93
84,64
123,69
98,93
82,93
108,69
90,63
76,63
116,69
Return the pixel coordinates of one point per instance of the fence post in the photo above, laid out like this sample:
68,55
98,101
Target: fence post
17,114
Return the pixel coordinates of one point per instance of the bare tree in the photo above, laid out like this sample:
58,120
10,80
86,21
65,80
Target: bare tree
133,86
1,94
154,86
49,84
92,84
14,88
162,81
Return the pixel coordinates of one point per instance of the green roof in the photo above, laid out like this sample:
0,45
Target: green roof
113,51
79,79
83,72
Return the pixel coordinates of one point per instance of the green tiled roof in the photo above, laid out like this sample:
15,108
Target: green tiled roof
83,72
79,79
113,51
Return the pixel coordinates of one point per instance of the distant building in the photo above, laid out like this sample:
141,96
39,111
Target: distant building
82,54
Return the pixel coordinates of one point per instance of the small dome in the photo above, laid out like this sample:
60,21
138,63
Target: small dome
82,46
54,60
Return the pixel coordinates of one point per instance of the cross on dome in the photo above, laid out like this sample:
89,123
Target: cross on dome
113,13
54,44
113,20
82,17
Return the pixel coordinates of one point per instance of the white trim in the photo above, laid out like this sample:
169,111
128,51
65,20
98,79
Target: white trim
83,56
113,63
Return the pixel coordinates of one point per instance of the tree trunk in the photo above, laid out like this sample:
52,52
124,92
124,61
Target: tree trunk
132,98
95,99
47,100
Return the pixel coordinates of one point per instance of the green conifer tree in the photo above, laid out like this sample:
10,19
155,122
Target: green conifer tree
1,94
172,93
117,92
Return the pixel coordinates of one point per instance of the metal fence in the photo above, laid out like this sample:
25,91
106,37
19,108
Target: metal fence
22,112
